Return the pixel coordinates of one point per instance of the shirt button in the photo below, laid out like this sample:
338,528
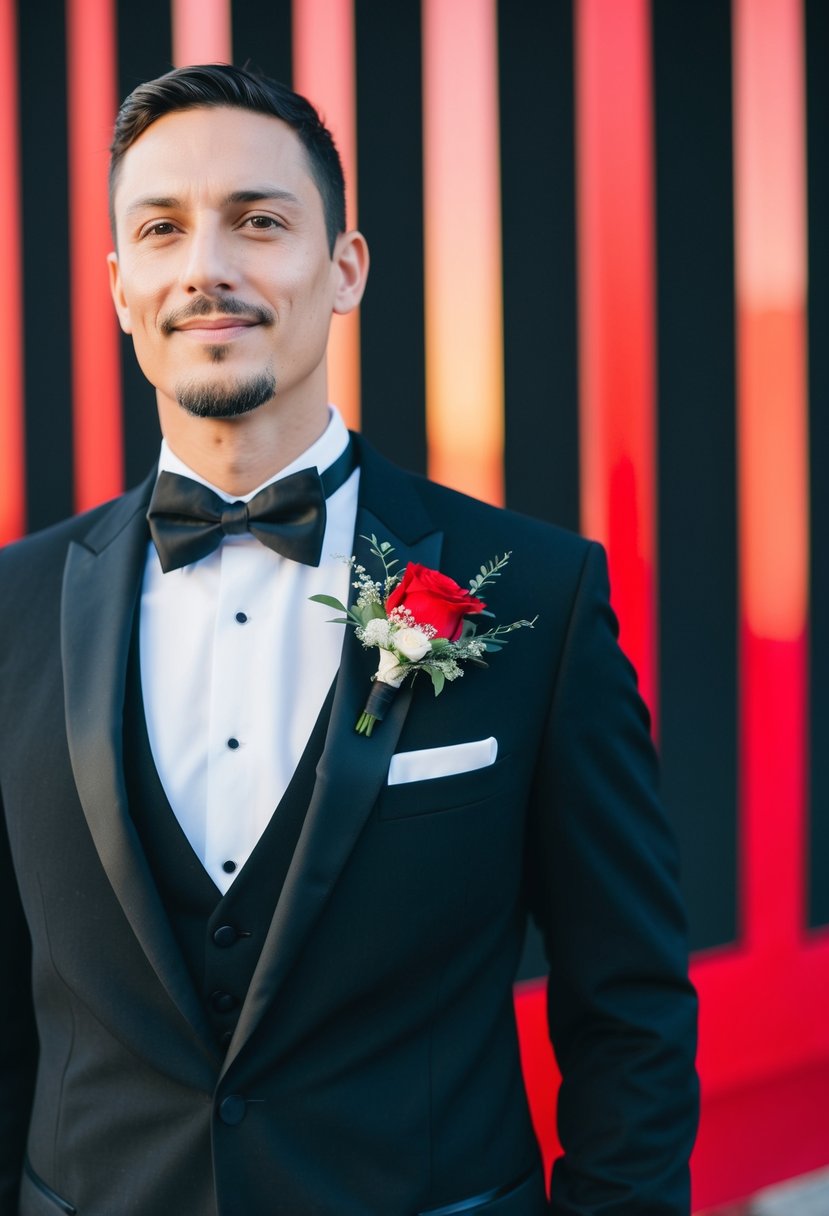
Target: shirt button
225,936
233,1109
241,617
223,1002
233,744
229,867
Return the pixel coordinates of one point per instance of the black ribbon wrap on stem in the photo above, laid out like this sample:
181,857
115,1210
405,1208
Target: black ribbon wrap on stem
379,699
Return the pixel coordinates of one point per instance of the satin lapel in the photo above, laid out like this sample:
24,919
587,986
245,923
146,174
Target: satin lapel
101,584
352,768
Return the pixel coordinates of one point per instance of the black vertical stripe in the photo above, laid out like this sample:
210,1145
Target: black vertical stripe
261,36
144,52
390,172
696,424
145,42
537,141
817,95
44,201
538,200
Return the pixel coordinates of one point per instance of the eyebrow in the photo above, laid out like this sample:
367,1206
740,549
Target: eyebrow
256,194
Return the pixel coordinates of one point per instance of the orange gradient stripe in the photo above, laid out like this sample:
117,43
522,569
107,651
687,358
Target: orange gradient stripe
771,262
12,453
201,32
96,367
770,211
462,242
323,66
617,357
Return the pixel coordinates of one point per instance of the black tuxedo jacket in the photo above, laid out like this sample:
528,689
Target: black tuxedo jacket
374,1069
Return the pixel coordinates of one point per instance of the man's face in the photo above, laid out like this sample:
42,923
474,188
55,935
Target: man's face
223,274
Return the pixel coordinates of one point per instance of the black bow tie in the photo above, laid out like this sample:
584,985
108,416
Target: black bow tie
187,520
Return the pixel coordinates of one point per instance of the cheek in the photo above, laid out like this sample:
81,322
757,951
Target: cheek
144,289
306,285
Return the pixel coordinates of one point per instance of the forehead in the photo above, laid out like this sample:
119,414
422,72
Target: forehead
195,154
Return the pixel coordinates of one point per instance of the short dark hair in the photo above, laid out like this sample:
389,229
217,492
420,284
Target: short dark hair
220,84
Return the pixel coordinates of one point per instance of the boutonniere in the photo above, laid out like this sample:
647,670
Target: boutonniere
419,620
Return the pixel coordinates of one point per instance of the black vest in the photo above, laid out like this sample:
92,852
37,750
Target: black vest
220,936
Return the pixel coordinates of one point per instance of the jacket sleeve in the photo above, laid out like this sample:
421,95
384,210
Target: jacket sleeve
604,889
18,1037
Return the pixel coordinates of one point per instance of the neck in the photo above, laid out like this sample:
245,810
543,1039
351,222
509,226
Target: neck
239,454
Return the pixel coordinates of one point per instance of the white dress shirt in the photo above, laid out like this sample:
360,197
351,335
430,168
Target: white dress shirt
235,667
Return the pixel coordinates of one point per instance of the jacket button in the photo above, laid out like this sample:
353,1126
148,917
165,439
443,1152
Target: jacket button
225,936
233,1109
223,1002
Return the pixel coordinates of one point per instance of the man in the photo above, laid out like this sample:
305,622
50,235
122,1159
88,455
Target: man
244,1010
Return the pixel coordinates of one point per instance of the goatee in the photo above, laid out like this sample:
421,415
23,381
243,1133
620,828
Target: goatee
226,400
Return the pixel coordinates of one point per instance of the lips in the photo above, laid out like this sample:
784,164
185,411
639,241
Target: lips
216,329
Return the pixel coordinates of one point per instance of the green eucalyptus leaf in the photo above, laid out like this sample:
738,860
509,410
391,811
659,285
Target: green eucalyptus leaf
438,679
329,601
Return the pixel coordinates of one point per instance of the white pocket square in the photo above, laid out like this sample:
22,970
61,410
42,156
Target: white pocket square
442,761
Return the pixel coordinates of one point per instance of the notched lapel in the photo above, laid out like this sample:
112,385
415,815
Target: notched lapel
352,768
101,584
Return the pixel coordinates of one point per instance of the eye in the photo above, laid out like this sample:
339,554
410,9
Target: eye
159,228
261,223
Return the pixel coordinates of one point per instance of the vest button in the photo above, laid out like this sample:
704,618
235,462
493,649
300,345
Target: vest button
233,1109
225,936
223,1002
224,1039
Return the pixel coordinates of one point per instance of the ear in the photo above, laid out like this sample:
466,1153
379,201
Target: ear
351,261
118,298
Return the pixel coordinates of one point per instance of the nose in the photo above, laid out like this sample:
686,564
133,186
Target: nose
207,267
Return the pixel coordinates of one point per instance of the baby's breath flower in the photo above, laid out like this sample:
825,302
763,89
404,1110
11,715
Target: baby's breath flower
450,668
376,633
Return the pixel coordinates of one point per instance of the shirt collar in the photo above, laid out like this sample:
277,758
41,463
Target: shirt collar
322,453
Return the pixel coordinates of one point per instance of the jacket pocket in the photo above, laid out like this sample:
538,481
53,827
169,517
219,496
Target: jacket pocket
451,793
524,1196
38,1199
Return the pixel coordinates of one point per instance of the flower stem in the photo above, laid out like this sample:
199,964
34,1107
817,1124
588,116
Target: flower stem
365,724
380,698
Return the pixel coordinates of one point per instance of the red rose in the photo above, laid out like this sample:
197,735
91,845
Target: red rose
433,599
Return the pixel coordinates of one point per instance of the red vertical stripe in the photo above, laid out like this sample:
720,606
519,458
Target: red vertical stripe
96,370
616,308
201,31
324,72
12,456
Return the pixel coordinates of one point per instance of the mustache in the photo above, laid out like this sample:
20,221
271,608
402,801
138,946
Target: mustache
223,307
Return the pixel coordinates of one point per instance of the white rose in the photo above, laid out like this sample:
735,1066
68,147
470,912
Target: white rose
412,643
389,671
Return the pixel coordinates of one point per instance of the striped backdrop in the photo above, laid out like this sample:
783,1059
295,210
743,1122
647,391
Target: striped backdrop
599,294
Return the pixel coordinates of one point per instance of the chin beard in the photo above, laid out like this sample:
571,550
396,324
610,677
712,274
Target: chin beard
226,400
